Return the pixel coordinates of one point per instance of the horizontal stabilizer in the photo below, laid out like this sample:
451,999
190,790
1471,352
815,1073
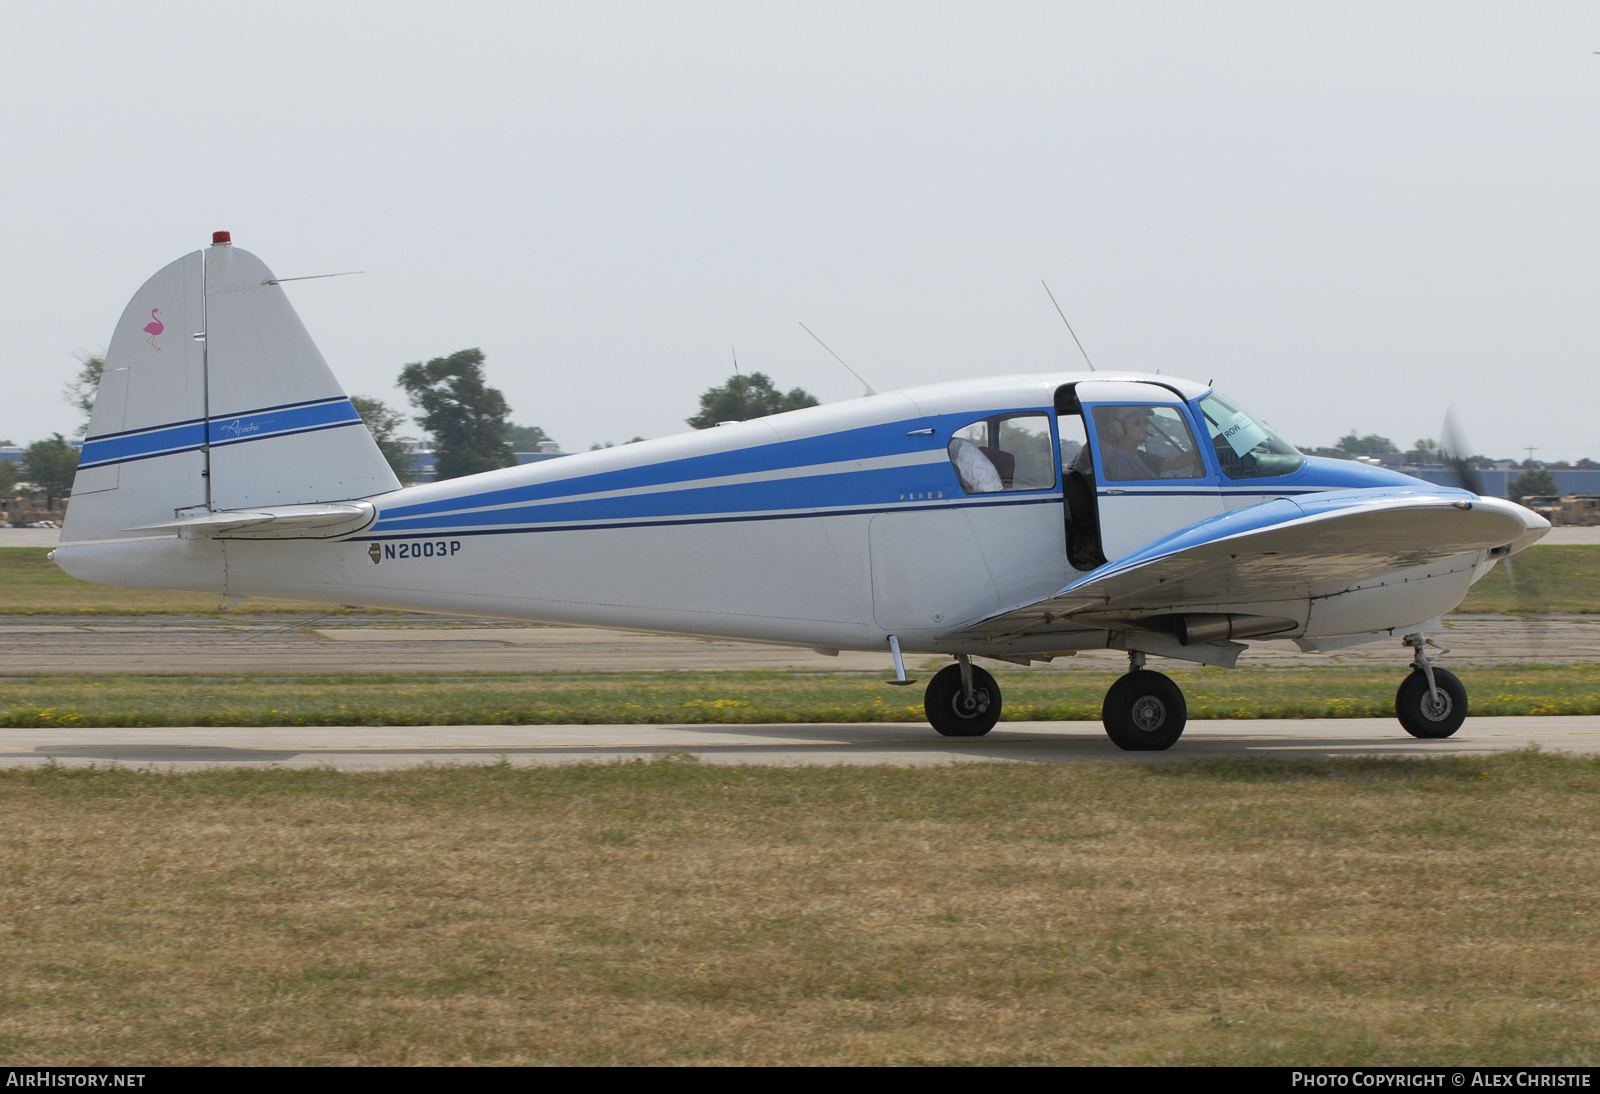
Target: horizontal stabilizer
1284,550
323,521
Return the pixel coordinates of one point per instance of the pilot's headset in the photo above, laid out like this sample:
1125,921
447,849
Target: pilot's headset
1115,429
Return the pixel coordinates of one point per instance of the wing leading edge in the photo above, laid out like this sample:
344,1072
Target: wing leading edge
1281,551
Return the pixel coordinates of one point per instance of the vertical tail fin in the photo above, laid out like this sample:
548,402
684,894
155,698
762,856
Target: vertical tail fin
215,397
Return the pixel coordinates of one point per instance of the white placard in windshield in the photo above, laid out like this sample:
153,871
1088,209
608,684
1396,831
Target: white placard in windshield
1242,434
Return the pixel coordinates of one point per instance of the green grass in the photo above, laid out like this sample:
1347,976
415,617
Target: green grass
733,697
1554,580
1541,581
1247,912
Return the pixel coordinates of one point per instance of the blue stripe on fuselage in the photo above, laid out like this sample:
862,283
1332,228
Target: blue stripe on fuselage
877,486
868,442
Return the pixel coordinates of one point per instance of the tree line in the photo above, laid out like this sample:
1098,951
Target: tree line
470,422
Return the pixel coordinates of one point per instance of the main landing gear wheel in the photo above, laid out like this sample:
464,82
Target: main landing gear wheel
1425,714
1144,712
954,713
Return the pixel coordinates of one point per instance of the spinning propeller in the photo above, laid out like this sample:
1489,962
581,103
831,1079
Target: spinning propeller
1457,454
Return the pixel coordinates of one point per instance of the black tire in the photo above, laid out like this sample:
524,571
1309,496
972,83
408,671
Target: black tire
948,710
1420,715
1144,712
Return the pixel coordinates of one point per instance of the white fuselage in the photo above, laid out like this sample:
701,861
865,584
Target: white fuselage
832,527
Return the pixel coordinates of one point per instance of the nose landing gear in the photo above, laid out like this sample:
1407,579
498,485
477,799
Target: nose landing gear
1431,702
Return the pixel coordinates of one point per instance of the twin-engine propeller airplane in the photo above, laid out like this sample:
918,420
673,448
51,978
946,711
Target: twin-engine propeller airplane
1019,518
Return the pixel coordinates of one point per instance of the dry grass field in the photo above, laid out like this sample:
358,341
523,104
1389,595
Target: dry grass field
1360,911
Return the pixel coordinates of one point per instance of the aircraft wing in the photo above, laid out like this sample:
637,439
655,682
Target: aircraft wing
1314,545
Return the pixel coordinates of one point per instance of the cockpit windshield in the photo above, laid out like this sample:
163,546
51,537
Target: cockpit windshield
1246,448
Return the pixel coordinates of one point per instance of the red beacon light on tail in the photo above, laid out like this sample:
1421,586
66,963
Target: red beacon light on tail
219,238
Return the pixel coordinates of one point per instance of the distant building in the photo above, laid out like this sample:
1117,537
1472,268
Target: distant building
21,510
14,451
1573,510
1497,480
424,465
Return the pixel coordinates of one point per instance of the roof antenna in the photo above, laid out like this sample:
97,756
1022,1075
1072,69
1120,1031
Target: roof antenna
1070,331
870,389
739,378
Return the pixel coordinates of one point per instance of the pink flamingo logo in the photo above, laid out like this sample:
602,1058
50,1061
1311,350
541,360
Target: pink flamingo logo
154,328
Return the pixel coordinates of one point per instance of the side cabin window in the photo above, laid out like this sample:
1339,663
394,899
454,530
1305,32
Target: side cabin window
1246,448
1005,453
1144,441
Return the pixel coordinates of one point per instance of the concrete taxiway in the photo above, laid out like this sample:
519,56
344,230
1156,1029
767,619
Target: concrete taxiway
379,748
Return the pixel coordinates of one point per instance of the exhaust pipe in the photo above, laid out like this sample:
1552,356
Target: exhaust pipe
1213,628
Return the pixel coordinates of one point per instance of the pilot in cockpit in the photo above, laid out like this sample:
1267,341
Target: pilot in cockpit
1126,447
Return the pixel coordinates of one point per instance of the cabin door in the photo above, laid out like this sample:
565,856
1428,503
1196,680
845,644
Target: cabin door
1150,477
1078,509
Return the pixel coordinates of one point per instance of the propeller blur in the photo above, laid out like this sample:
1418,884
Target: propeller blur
1457,453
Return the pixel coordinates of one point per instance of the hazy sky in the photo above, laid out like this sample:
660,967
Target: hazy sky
1349,216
